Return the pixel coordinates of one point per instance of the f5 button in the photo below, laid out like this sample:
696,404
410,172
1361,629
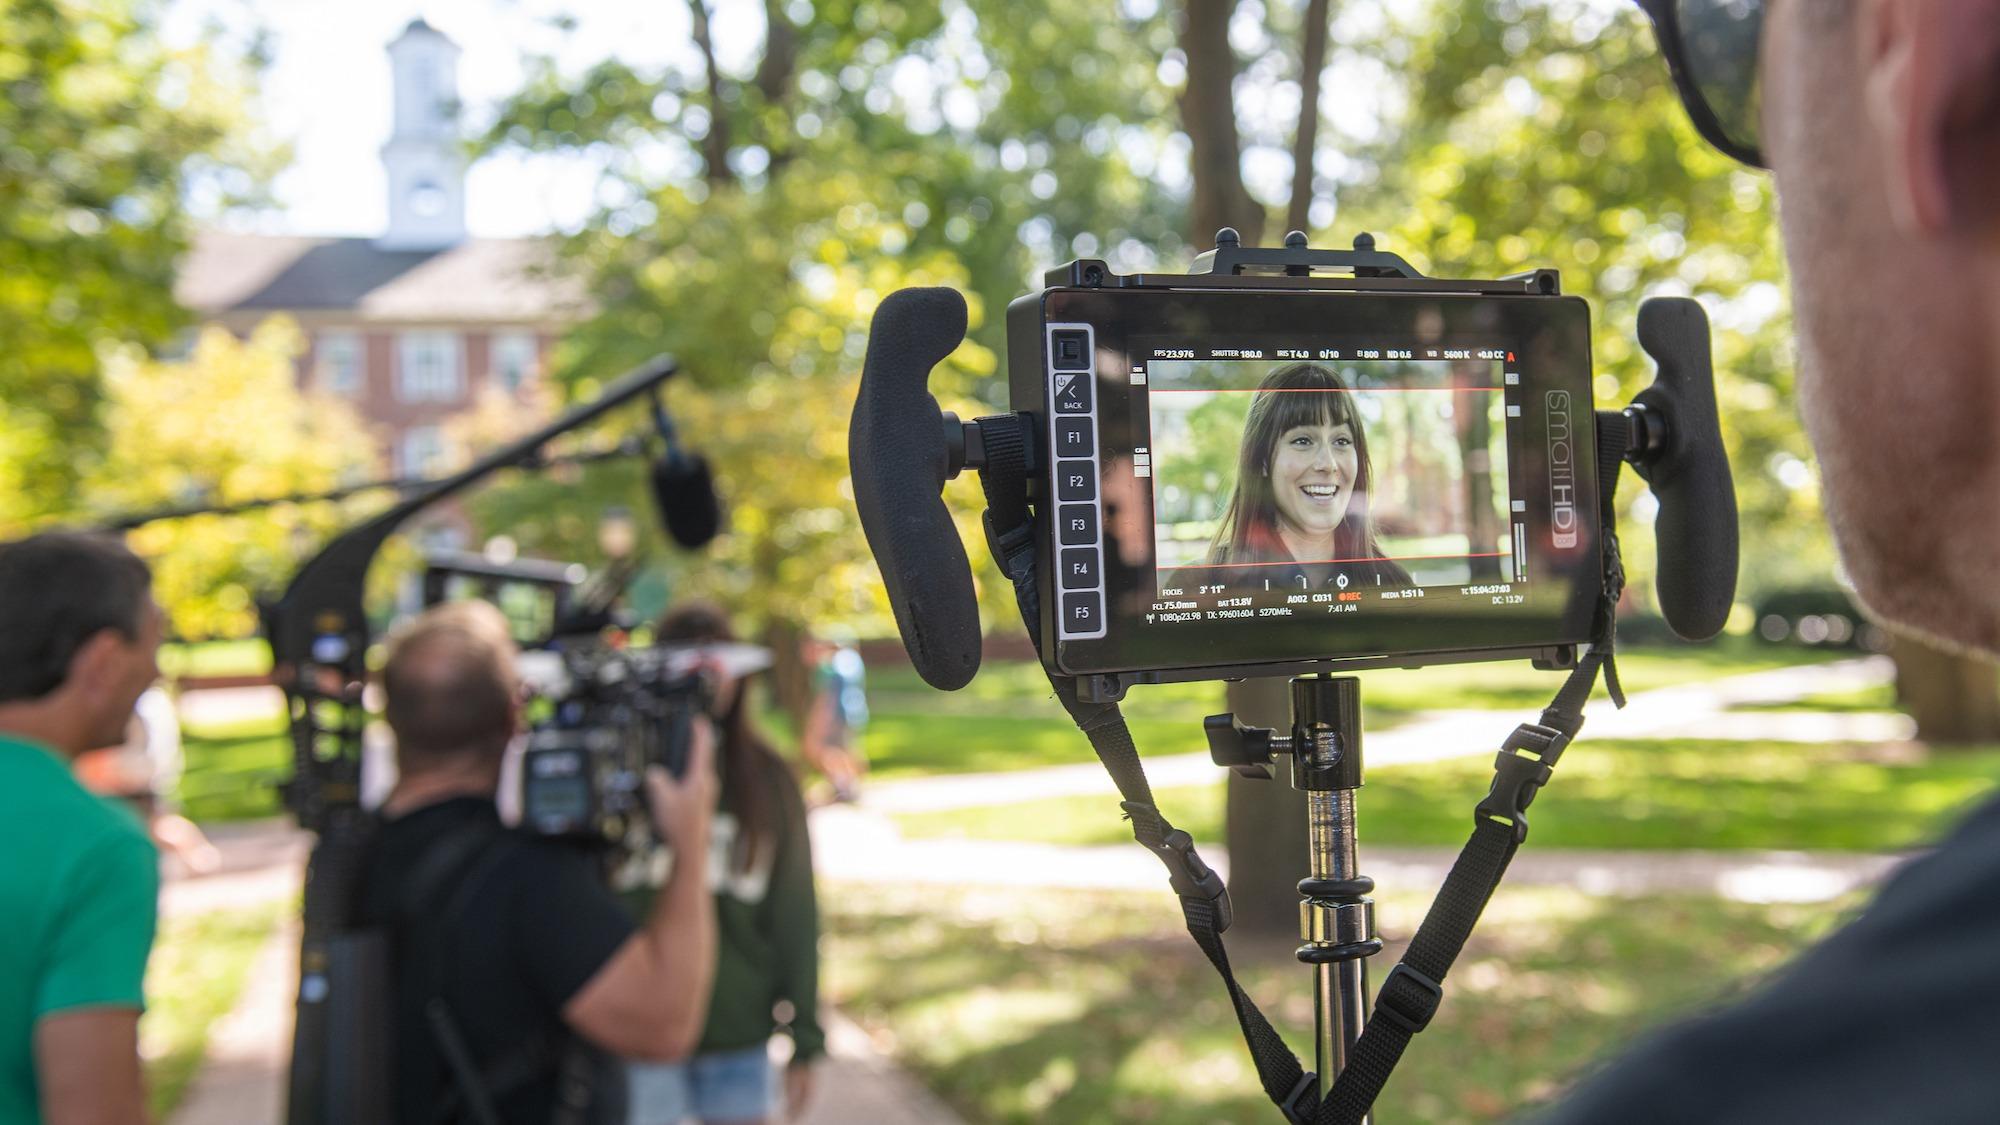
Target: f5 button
1083,613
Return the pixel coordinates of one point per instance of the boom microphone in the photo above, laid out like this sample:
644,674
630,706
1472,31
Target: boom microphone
684,492
683,488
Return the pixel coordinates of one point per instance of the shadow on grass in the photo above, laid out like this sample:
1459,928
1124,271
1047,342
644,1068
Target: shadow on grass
1074,1007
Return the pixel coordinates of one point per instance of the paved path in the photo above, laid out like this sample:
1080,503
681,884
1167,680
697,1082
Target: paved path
858,846
241,1081
1700,710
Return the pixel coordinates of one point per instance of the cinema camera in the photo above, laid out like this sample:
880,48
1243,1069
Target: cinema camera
604,713
1298,462
601,710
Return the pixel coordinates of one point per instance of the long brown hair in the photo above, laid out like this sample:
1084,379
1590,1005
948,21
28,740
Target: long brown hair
1298,394
754,776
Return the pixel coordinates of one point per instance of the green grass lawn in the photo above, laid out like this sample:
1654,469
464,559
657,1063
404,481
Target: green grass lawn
1017,1006
198,970
1611,794
232,769
248,657
1008,719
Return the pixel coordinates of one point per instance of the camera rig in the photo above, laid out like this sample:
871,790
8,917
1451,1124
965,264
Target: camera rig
1075,477
319,634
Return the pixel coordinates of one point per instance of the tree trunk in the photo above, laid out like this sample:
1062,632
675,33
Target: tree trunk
1312,60
1953,698
1266,822
1208,114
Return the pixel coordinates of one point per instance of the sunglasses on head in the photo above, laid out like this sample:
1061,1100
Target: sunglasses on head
1711,49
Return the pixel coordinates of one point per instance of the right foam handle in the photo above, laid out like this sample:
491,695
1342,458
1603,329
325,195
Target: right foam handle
899,461
1696,530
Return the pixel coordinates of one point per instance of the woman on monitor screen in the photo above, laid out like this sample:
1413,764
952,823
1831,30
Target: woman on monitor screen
1299,517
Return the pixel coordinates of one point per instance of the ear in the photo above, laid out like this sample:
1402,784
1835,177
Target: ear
95,665
1931,84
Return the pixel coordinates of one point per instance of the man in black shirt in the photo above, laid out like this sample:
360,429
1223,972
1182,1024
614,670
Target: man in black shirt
1881,120
522,942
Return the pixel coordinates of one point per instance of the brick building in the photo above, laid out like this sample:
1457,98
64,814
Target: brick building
414,325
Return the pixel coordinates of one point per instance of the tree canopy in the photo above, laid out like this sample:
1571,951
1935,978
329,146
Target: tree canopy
104,131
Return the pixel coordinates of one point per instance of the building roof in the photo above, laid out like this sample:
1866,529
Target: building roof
480,280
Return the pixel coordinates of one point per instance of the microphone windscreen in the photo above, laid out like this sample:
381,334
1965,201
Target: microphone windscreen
684,492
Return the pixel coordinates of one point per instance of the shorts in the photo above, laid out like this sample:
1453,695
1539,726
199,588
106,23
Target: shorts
736,1085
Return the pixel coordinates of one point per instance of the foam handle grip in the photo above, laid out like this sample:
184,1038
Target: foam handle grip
899,463
1696,529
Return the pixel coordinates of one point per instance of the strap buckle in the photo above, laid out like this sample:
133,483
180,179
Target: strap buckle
1401,1006
1012,548
1517,777
1299,1105
1192,877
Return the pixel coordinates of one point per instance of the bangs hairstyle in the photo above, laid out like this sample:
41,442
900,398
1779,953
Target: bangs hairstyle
1297,394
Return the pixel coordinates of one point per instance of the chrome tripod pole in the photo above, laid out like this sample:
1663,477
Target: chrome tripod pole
1336,916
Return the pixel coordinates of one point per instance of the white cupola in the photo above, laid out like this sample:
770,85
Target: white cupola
424,156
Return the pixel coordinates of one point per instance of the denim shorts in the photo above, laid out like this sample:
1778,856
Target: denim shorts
723,1086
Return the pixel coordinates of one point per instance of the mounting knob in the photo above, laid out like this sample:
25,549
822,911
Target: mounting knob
1247,750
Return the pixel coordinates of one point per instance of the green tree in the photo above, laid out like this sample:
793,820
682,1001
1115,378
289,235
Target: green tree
103,132
757,215
250,433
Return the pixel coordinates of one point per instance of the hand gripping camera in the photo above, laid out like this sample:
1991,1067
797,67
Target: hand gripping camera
1298,462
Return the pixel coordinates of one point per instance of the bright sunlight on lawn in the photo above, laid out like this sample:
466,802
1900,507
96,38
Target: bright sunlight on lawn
1019,1006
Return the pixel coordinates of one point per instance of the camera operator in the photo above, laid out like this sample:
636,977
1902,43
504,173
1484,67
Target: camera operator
79,880
523,949
1881,120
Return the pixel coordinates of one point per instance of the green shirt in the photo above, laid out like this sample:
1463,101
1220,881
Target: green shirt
79,886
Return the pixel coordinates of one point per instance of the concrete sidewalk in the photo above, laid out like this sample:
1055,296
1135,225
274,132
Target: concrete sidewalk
1692,711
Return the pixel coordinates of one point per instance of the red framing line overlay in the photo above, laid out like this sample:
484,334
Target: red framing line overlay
1318,390
1312,562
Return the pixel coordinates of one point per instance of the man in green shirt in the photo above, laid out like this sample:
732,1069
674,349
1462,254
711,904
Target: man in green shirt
79,881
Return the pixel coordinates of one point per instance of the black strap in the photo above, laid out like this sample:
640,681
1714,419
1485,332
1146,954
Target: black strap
1204,899
1412,991
1410,994
460,863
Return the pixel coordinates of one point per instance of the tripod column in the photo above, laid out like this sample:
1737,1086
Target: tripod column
1336,916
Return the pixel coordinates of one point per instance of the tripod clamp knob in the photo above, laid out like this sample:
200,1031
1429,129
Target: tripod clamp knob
1247,750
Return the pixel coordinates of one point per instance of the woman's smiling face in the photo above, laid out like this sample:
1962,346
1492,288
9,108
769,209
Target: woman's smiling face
1312,476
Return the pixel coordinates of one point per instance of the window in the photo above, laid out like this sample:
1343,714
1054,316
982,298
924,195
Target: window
339,364
422,452
428,368
514,360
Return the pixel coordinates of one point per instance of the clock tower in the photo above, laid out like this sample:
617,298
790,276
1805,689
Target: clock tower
424,157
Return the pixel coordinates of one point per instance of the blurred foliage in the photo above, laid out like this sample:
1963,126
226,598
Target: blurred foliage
249,433
753,220
104,133
1548,134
